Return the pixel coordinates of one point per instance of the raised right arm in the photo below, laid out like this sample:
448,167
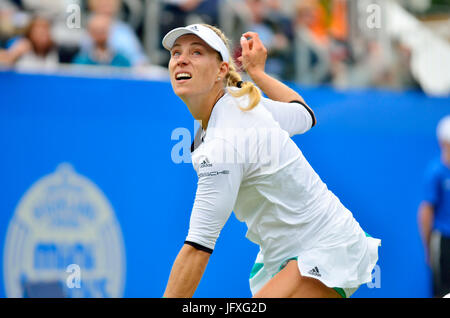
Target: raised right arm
288,108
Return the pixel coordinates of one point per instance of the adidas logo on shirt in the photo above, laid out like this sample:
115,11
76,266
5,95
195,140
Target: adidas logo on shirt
315,272
205,163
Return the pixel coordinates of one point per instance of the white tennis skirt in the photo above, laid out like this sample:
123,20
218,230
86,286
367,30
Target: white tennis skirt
343,267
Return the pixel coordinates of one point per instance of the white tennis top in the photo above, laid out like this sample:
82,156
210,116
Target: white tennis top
247,163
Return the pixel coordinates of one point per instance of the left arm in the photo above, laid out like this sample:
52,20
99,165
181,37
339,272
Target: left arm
218,186
288,108
187,272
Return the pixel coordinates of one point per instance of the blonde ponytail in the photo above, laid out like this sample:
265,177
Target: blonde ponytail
233,78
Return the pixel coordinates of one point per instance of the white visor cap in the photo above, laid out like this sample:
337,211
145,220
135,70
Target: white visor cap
204,33
443,129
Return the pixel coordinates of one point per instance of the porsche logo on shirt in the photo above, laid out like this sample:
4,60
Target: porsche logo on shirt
213,173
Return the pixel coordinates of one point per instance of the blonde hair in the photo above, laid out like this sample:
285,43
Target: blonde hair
233,78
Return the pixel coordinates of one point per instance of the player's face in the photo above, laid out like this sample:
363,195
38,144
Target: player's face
194,66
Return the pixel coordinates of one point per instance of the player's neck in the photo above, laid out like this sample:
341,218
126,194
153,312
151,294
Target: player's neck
201,106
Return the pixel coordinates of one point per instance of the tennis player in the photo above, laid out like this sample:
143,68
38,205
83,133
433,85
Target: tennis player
246,162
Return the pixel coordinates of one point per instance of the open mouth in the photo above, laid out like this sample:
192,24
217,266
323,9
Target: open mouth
183,76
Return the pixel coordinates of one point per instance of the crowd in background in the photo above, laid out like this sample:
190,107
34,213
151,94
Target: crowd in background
308,41
36,34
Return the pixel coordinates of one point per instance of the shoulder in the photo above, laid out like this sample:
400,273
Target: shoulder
230,113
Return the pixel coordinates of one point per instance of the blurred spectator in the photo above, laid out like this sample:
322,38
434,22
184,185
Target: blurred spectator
7,28
280,21
307,40
312,40
122,38
65,38
311,17
338,20
276,32
12,22
42,53
377,66
99,28
56,10
339,48
370,68
177,13
36,50
434,213
400,67
324,51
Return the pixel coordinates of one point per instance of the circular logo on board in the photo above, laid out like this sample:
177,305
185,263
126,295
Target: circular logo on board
64,241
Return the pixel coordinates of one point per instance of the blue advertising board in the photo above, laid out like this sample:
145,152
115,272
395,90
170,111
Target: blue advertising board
88,178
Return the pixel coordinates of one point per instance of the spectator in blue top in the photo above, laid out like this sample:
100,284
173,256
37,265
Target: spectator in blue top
434,213
101,53
122,37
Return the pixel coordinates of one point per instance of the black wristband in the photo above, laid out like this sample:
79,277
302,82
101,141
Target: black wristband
309,111
199,247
